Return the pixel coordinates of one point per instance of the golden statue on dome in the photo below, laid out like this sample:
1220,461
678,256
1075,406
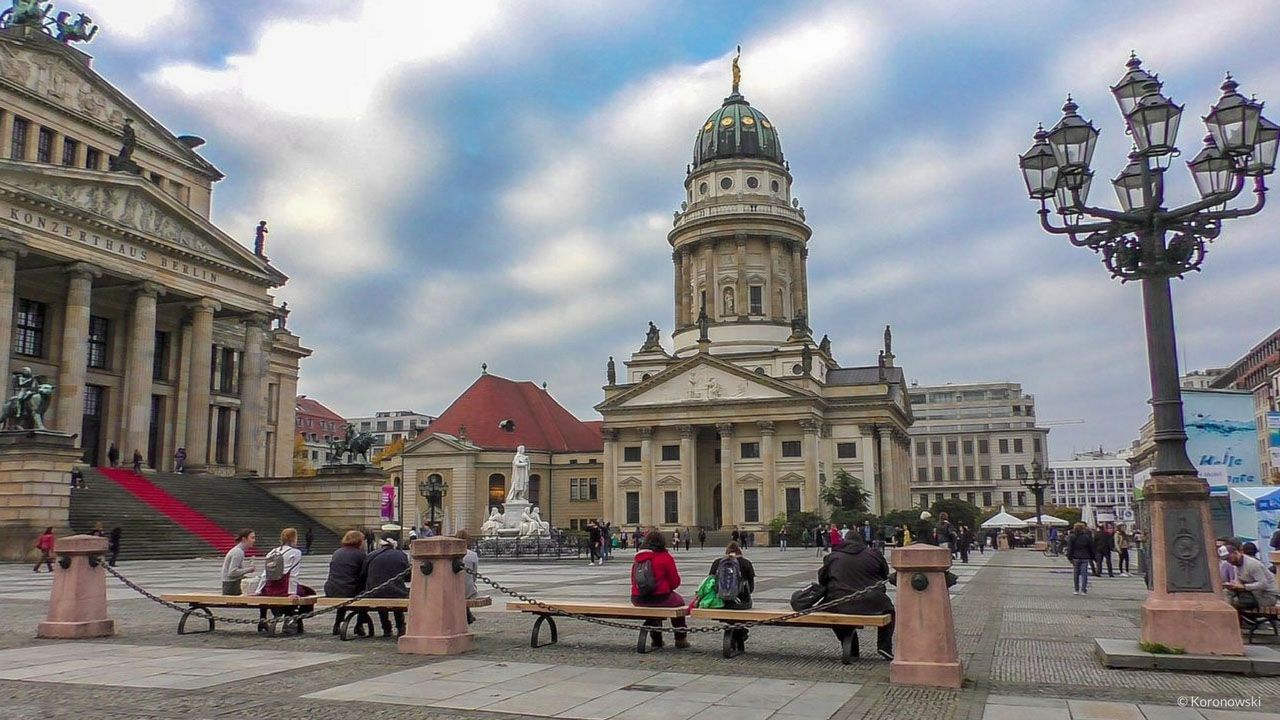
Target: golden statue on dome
737,72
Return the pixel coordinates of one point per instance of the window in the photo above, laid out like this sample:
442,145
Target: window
582,489
30,341
750,505
984,472
922,474
1004,472
631,453
227,371
382,426
753,182
951,447
92,158
984,446
1004,446
968,447
847,450
497,489
670,507
1022,471
968,473
534,492
755,296
955,496
920,448
953,474
633,508
1035,445
986,499
1022,498
18,142
750,450
793,500
937,474
97,342
937,447
924,499
160,361
69,148
790,448
670,453
1008,498
970,497
726,183
44,146
365,425
397,425
1017,445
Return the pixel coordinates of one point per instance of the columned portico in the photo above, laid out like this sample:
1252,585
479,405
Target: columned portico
199,365
9,252
75,346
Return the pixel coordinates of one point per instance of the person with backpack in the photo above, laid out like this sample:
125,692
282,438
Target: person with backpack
234,567
45,545
281,569
654,580
852,568
380,566
346,577
735,578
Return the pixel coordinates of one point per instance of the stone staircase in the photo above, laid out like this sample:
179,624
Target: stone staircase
185,516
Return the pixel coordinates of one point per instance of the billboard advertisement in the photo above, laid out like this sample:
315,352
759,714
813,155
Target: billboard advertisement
388,502
1255,512
1273,441
1222,437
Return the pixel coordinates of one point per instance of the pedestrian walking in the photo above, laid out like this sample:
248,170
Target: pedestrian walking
688,540
137,462
308,540
1123,543
963,539
45,545
606,541
1080,552
702,539
113,455
1102,547
77,479
782,538
180,460
113,546
593,542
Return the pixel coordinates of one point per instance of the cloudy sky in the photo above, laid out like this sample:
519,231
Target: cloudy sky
451,184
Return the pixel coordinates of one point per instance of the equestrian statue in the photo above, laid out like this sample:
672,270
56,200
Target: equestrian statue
25,408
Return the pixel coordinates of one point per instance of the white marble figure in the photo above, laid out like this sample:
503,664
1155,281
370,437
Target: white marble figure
519,477
713,388
532,524
491,526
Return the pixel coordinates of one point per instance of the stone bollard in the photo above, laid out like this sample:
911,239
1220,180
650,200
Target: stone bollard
78,602
437,622
924,637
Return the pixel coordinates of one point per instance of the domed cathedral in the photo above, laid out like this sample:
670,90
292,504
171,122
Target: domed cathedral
747,417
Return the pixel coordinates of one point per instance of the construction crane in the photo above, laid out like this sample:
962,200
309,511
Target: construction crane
1055,423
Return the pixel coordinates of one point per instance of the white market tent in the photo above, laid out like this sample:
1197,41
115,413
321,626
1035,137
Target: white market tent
1047,520
1003,519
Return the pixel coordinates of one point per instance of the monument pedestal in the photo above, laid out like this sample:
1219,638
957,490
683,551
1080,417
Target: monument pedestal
35,482
924,635
1186,608
78,600
437,622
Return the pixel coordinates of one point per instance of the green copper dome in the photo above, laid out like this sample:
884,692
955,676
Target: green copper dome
737,130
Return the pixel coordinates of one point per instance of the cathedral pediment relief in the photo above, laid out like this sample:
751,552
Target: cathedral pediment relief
703,384
131,207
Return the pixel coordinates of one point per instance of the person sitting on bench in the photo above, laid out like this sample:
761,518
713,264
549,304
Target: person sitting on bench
234,566
281,569
853,567
345,579
728,580
1255,585
381,565
470,561
654,580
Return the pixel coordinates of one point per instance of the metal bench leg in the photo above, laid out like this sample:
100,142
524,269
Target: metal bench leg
731,648
208,616
346,625
537,626
849,648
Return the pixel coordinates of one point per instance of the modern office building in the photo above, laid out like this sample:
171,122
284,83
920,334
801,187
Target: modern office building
392,425
1100,479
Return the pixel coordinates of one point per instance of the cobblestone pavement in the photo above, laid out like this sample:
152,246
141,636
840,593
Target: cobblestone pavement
1025,641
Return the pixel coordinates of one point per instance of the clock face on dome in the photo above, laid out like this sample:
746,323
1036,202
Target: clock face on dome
726,122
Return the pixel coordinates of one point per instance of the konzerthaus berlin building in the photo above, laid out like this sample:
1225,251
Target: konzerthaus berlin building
154,324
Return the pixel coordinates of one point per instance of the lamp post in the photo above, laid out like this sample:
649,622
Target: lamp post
1148,242
433,489
1037,481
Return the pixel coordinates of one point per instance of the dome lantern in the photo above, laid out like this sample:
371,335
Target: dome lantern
736,130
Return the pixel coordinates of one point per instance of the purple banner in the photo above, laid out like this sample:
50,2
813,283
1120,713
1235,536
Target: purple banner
388,502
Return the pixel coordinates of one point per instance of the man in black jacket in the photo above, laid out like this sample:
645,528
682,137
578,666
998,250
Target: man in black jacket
1103,544
381,565
852,567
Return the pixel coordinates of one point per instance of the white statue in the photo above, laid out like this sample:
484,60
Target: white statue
491,526
713,388
532,524
519,477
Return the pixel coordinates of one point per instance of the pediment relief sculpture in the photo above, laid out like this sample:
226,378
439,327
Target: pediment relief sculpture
704,384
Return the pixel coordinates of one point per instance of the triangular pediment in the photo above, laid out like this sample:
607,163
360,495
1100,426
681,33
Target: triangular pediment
131,204
438,443
791,478
57,74
669,481
702,379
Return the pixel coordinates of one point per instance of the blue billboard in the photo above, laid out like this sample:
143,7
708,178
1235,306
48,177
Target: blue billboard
1222,437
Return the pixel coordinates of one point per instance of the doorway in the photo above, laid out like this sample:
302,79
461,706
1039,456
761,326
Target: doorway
155,437
91,425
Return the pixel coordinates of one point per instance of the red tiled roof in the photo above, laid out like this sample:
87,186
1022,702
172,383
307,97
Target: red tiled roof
313,408
308,409
541,423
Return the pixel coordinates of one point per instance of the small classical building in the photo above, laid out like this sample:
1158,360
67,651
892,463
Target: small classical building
153,323
747,415
972,442
470,447
318,426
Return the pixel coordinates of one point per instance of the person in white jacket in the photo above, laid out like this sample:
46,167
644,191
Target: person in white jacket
282,568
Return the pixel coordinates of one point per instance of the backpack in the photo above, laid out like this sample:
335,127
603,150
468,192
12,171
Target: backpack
728,579
642,575
273,564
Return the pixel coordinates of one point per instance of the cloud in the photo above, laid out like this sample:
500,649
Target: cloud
137,23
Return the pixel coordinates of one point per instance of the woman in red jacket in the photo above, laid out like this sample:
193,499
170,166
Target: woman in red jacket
653,551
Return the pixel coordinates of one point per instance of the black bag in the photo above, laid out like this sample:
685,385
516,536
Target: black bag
808,597
646,582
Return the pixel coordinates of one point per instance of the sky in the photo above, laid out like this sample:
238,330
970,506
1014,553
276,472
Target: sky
452,184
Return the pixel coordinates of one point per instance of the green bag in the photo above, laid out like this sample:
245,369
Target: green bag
706,597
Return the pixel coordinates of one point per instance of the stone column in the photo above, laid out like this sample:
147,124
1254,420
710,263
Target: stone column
253,390
688,468
198,381
609,481
75,347
689,263
776,310
647,491
728,491
887,470
139,367
6,135
9,253
769,503
678,272
31,141
797,265
82,154
740,257
804,280
55,148
712,283
810,451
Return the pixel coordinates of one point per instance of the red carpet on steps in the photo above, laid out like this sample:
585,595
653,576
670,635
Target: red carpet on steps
179,512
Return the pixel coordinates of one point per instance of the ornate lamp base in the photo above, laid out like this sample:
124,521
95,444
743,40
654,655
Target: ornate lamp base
1186,607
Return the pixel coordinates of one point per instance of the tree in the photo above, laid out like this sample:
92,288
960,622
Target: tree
845,492
909,519
797,524
958,511
395,448
301,461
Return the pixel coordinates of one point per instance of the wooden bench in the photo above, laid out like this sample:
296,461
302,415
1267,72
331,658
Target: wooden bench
1255,618
735,644
618,611
360,609
201,606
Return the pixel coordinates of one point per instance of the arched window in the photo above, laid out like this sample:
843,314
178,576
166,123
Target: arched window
497,489
535,489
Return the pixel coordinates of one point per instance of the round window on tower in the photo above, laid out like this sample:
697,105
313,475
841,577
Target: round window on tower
775,186
726,122
753,182
702,189
726,183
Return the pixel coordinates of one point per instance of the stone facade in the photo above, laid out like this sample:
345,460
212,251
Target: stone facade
154,324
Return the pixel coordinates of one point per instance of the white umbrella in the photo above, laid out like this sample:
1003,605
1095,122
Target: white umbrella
1046,520
1003,519
390,527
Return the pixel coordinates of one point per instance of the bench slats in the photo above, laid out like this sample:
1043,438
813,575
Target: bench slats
818,618
392,603
612,610
237,600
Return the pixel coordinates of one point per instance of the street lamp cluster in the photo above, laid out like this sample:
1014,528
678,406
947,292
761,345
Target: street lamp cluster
1037,481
